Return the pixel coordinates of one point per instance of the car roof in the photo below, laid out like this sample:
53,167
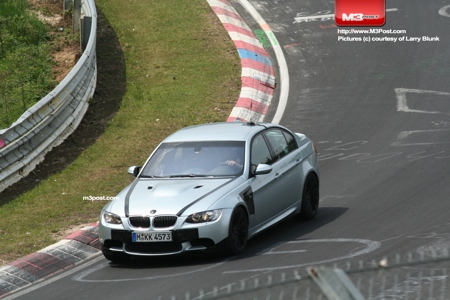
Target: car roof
221,131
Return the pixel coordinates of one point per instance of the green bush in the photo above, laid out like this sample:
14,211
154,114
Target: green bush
25,61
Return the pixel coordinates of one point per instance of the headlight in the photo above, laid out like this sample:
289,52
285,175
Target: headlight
111,218
204,216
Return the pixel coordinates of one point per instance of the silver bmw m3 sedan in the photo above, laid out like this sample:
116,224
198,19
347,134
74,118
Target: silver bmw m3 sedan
212,187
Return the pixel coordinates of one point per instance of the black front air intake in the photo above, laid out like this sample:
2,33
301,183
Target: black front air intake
164,221
140,222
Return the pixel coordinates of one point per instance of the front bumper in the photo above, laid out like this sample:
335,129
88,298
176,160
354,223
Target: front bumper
186,237
183,240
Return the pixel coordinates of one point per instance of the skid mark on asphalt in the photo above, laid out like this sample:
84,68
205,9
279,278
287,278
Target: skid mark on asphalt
369,246
82,276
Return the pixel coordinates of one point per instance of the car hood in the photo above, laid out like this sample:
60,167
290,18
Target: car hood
168,196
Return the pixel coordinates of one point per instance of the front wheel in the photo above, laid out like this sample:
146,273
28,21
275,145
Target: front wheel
238,232
310,197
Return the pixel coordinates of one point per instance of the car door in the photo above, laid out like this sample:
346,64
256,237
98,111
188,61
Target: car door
265,187
288,157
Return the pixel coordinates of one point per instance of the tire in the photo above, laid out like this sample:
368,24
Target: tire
116,257
310,198
237,232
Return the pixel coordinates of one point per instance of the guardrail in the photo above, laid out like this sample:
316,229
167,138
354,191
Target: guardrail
51,120
416,275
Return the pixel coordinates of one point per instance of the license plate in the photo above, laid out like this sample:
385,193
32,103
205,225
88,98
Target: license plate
141,237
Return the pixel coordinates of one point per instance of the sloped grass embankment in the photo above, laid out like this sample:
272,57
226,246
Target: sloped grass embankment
181,68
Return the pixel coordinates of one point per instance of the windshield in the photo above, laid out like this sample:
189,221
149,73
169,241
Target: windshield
196,159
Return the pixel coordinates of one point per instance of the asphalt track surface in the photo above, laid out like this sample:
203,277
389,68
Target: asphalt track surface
379,114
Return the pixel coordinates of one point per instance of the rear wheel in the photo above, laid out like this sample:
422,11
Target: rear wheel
238,232
310,197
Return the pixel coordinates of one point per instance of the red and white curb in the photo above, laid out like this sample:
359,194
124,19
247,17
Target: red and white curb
258,80
258,84
70,251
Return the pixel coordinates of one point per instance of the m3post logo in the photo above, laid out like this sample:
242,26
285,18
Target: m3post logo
360,12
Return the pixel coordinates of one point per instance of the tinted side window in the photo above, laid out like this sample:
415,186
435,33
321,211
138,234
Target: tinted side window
291,142
260,152
278,143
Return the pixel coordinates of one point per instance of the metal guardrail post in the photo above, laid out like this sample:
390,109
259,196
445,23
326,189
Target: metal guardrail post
86,24
66,4
76,15
335,284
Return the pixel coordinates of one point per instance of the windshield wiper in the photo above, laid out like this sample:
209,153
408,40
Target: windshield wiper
188,175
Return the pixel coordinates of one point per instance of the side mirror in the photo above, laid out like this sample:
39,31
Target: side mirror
262,169
134,170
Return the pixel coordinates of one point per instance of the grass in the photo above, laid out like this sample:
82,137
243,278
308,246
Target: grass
181,69
25,62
